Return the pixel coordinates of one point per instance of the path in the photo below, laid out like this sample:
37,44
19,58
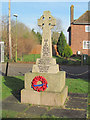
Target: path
19,69
75,107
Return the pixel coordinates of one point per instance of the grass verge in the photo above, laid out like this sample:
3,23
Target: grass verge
13,84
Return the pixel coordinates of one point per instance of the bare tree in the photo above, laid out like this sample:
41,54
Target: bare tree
25,38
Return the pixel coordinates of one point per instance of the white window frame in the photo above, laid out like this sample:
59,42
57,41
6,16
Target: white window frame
87,28
2,51
87,44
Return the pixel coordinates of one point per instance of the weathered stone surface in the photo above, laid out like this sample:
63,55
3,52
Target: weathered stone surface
46,64
67,113
54,98
46,22
46,68
74,104
30,96
56,81
13,106
36,110
44,98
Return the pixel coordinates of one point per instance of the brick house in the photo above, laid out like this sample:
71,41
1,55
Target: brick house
79,29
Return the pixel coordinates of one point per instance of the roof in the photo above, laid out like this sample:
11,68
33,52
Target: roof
83,19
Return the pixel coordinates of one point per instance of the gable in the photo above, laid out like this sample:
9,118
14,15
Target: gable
84,19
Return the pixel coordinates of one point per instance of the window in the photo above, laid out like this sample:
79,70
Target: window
87,28
86,44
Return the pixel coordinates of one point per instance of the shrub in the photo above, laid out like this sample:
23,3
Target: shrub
67,51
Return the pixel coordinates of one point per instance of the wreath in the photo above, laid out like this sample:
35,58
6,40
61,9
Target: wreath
39,87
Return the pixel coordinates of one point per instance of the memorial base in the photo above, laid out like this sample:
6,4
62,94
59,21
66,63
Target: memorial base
54,95
44,98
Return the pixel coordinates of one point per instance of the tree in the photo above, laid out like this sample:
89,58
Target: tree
61,44
55,36
67,51
58,27
56,31
26,40
39,38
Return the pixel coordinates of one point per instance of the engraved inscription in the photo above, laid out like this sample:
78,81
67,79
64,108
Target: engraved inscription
46,49
44,62
43,69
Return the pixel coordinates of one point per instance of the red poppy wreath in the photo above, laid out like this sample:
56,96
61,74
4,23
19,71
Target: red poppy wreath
39,87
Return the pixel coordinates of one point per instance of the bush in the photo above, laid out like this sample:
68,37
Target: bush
61,44
67,52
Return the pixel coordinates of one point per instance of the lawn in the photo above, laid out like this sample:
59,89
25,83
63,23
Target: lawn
29,58
11,85
75,60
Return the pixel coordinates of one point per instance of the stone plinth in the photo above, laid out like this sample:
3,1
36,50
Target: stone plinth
54,95
44,98
56,81
46,65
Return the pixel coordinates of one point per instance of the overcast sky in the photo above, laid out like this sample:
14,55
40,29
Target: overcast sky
29,12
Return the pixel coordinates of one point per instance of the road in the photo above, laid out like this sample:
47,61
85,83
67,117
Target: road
19,69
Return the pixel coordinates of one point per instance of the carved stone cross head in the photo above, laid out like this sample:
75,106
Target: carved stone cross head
46,21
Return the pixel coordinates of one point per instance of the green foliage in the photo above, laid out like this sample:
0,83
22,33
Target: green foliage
38,35
64,61
39,38
54,42
61,44
67,51
55,36
26,35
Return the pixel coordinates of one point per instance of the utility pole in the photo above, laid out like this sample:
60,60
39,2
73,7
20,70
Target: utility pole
10,44
15,15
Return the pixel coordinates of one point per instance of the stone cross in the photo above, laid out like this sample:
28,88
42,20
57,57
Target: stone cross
46,22
46,64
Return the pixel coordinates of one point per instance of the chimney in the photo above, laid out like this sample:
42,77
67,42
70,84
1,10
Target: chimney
71,14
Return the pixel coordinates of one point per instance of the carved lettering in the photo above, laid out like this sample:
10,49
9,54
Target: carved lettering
43,69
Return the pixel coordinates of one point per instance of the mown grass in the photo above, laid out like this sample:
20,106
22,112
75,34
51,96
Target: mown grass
11,85
29,58
77,85
9,114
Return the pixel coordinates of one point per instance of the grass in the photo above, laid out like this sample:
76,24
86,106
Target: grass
77,85
9,114
29,58
74,60
11,85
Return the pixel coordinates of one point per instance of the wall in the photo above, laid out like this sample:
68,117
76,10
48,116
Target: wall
78,35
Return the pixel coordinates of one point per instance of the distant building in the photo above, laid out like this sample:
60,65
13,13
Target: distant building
79,29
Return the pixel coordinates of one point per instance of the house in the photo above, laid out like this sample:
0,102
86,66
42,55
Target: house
79,29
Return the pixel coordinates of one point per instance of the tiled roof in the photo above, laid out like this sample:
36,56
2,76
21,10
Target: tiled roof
83,19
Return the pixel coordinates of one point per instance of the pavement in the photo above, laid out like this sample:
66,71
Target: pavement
75,107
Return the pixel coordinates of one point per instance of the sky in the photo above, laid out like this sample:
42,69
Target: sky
29,12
